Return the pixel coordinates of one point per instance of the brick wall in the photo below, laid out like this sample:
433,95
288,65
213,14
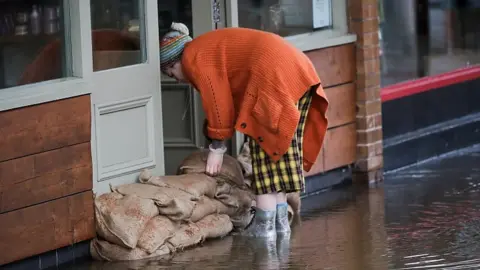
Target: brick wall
364,23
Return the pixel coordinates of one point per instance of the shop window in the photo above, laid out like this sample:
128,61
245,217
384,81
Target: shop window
118,37
286,17
33,43
427,37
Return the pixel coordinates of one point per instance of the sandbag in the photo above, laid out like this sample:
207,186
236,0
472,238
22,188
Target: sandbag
241,219
211,226
156,233
244,158
103,250
197,161
172,202
294,200
197,184
234,196
220,250
207,206
121,219
204,207
215,226
187,235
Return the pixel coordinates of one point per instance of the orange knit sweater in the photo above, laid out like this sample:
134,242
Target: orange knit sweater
251,80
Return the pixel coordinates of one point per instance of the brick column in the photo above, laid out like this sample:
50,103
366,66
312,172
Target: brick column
364,23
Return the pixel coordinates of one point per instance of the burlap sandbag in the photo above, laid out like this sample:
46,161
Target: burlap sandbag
219,251
204,207
121,219
172,202
241,219
156,233
197,258
211,226
104,251
215,226
294,200
244,158
233,195
198,184
196,163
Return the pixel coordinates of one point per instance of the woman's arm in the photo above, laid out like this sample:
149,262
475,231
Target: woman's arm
218,144
217,103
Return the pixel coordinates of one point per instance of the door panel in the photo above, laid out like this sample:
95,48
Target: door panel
127,115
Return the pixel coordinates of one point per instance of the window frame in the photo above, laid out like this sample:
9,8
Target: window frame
316,39
78,33
333,36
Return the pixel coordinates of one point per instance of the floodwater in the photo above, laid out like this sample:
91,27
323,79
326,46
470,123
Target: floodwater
422,217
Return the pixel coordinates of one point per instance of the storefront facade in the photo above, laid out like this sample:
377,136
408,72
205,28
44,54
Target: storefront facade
430,78
83,107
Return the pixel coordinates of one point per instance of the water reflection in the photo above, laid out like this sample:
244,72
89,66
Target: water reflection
424,217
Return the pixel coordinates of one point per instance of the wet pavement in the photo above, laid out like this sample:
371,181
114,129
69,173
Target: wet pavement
423,217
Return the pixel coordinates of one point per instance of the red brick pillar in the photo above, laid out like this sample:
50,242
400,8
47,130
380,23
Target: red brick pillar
364,23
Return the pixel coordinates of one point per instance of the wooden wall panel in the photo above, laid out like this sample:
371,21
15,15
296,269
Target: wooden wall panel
318,166
46,176
335,65
44,127
339,149
47,226
342,108
340,146
46,199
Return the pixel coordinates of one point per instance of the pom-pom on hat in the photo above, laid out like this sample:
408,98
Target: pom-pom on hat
173,43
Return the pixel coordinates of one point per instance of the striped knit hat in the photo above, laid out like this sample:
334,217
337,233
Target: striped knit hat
172,44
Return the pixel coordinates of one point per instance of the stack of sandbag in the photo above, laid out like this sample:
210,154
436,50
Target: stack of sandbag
161,215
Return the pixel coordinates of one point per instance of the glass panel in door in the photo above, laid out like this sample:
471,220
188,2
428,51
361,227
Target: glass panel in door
118,30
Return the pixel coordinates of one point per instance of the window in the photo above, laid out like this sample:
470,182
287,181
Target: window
118,34
33,43
285,17
427,37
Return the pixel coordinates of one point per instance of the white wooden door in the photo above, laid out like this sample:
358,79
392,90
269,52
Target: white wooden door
183,114
126,100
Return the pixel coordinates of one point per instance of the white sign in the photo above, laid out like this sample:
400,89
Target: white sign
322,13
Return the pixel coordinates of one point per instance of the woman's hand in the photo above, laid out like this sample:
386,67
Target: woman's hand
215,157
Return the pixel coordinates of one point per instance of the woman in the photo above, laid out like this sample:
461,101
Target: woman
258,84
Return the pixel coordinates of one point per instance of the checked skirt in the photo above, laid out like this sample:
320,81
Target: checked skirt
286,175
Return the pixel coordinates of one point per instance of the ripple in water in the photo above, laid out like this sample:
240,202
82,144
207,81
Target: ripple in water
424,217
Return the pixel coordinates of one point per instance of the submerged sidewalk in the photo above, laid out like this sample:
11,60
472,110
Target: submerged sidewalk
424,216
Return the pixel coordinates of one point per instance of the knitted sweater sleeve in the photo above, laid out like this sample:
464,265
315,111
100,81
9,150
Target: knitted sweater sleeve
217,103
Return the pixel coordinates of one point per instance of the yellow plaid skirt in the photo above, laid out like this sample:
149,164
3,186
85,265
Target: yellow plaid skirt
286,175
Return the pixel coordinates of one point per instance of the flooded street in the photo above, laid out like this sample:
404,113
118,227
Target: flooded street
422,217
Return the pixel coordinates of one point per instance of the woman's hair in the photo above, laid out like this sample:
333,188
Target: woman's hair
173,43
